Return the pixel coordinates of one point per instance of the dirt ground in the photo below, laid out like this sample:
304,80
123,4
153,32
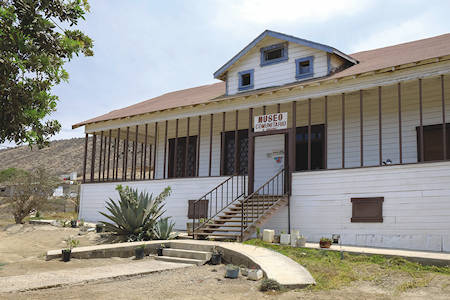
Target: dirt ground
23,247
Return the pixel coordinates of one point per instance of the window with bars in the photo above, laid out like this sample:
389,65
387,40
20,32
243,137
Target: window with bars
180,169
229,154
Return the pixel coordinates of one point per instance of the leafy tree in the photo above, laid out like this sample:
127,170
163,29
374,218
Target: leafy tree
33,49
30,192
135,215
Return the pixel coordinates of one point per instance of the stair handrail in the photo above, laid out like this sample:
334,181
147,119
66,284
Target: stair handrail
247,199
240,179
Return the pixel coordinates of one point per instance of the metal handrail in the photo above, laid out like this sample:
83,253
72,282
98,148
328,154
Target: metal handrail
260,192
238,190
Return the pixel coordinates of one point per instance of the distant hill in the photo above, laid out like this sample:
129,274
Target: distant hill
61,157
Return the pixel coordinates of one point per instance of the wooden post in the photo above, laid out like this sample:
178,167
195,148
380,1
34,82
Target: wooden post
343,130
278,107
94,144
100,157
326,133
444,125
400,151
154,152
165,151
292,145
125,170
236,144
251,152
86,139
114,159
104,158
222,146
109,154
175,160
422,154
145,152
198,145
142,162
210,144
118,154
186,153
361,128
309,134
380,129
135,152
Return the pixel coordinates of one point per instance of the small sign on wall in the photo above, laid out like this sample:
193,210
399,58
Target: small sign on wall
271,122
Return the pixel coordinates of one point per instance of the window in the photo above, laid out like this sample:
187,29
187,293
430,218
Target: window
432,142
304,67
274,54
230,150
179,170
317,148
245,80
201,209
367,209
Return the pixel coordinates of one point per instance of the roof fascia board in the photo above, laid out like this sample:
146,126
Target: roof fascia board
334,90
218,74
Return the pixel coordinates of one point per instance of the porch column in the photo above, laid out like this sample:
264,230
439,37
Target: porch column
94,143
380,129
165,151
186,150
125,155
145,153
135,146
109,155
444,125
86,139
422,154
236,141
222,146
291,145
325,139
343,130
400,151
114,158
154,152
309,134
175,156
210,143
251,152
198,145
361,129
117,154
100,157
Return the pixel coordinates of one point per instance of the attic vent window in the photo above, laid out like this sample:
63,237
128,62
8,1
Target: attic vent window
274,54
304,67
246,80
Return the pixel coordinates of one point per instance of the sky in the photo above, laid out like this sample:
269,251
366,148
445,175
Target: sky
143,49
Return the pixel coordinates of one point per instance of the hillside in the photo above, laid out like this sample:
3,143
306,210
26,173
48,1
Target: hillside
61,157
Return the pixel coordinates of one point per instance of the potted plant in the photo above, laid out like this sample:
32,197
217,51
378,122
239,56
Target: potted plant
66,252
258,233
139,252
160,249
301,241
73,223
325,242
99,227
216,257
232,271
285,238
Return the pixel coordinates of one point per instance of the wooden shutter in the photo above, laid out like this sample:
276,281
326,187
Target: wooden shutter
367,209
201,207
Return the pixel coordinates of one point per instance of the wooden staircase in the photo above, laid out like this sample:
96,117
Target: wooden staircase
239,219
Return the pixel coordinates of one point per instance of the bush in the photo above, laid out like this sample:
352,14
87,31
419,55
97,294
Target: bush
269,285
135,215
163,229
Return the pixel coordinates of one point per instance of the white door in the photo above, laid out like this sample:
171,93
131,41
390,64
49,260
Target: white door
269,159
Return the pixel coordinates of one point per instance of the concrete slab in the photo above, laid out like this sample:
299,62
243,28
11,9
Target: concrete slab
423,257
83,275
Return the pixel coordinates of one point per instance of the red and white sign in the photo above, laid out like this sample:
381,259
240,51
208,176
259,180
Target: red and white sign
271,122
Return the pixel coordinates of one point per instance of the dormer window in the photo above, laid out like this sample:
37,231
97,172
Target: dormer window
274,54
246,79
304,67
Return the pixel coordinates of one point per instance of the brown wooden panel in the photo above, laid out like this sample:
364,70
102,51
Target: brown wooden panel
432,142
367,209
201,209
86,139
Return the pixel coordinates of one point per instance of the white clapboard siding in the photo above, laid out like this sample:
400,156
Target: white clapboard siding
416,206
275,74
93,196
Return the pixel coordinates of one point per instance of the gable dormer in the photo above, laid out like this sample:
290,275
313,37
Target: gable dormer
276,59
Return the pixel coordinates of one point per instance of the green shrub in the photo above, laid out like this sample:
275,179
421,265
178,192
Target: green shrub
134,216
269,285
163,229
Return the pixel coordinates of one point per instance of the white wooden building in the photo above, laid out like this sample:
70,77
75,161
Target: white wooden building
296,135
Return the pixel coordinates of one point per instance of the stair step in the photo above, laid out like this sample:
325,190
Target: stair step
222,225
191,261
183,253
195,247
218,234
222,230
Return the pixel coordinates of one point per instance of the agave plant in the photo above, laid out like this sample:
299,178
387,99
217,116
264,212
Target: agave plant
134,216
163,229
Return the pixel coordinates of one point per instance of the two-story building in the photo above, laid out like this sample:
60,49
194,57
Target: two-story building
296,135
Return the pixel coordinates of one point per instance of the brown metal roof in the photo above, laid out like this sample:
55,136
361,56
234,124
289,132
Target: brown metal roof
368,61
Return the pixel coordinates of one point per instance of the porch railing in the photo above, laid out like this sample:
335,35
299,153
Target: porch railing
257,203
220,197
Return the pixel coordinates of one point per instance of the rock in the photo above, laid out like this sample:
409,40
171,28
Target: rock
255,274
285,239
268,235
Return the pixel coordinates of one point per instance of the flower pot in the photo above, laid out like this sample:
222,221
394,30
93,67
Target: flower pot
255,274
216,259
139,253
66,255
160,251
301,242
73,223
325,244
99,228
232,273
